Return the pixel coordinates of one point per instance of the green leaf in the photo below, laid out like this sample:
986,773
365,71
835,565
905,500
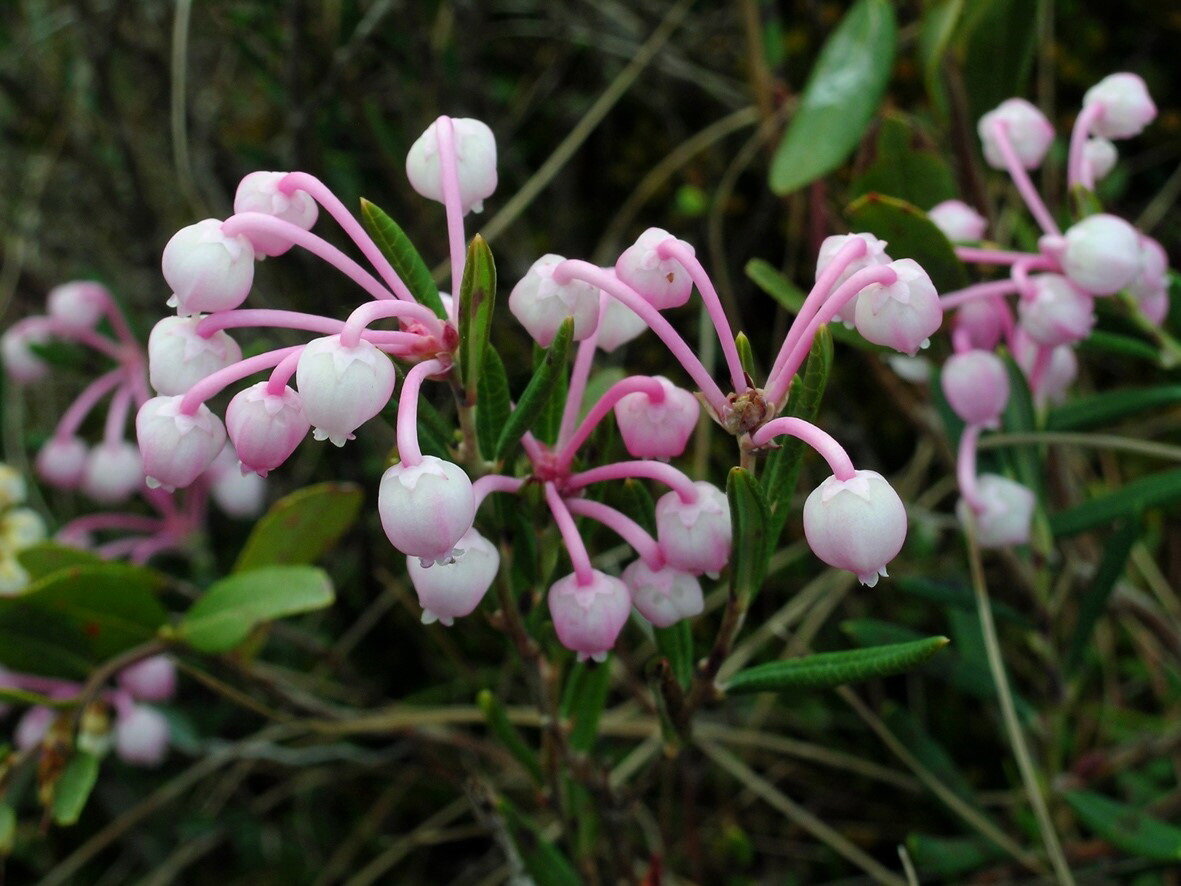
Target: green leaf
1102,409
1020,417
234,606
950,857
585,696
509,735
828,669
1112,343
843,91
955,594
746,355
936,29
1094,599
301,527
45,558
1131,830
548,423
477,298
37,641
73,788
749,517
544,862
1151,491
784,291
539,390
7,829
902,170
493,405
910,234
928,751
396,246
997,39
675,643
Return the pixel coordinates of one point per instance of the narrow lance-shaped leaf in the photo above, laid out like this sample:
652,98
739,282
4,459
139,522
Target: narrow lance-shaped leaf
544,862
539,390
585,697
549,421
1094,599
1151,491
1131,830
746,355
675,643
508,735
749,517
493,405
477,298
827,669
397,248
73,788
1098,410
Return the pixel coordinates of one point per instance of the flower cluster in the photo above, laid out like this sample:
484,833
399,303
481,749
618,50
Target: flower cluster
428,505
20,528
1098,256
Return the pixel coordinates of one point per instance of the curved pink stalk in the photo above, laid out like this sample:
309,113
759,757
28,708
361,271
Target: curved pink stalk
261,223
532,447
1020,274
77,411
50,686
965,468
636,384
367,313
579,558
651,470
823,442
265,317
302,181
112,520
407,431
978,290
120,547
162,501
1029,194
1077,171
1041,365
282,373
583,362
119,323
623,526
148,548
117,414
87,337
675,249
449,167
576,269
961,340
846,255
976,255
777,385
490,483
212,385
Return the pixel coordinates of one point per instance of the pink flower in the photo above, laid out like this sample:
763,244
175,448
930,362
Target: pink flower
426,508
259,192
618,324
32,727
113,472
1027,128
265,428
657,430
1059,375
79,304
239,493
1100,156
663,283
540,304
62,462
23,366
1058,313
983,322
1007,511
958,221
857,524
475,149
342,387
1101,254
588,618
663,596
451,590
141,736
1151,286
874,256
152,679
207,270
902,315
176,447
976,385
695,536
178,357
1127,106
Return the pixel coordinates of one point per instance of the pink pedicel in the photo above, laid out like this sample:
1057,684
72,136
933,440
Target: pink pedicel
1003,513
178,357
141,736
1100,157
475,150
875,255
240,494
662,282
958,221
342,387
426,508
540,303
1058,313
450,590
114,472
1028,131
1101,254
207,270
618,324
858,524
153,679
1126,106
80,304
588,617
902,315
265,427
176,447
664,596
259,192
657,430
1059,374
695,536
62,462
976,385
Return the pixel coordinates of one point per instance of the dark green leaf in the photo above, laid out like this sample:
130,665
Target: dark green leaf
935,32
1151,491
584,700
1129,829
234,606
828,669
780,288
928,751
396,246
998,40
38,641
1020,417
843,91
493,405
548,423
954,594
910,234
1104,408
544,862
675,643
749,517
7,829
1102,342
477,298
301,527
950,857
1094,599
508,735
900,169
45,558
538,392
73,788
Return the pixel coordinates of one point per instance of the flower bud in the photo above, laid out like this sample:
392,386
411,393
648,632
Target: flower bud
958,221
663,596
20,362
13,577
1151,286
1058,313
588,618
663,283
114,471
540,304
1100,156
62,462
265,428
618,324
20,528
475,150
32,727
207,270
857,524
902,315
152,679
875,255
657,430
1007,516
176,448
976,385
451,590
259,192
695,536
1102,254
1060,373
79,304
178,357
1028,130
141,736
983,321
426,508
1127,106
238,492
342,387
